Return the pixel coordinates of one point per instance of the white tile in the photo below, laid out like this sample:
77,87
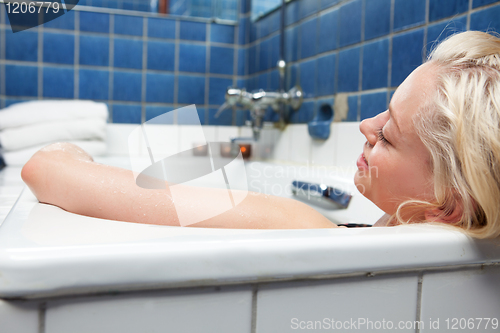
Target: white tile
283,143
193,135
117,138
210,132
300,144
245,131
323,151
287,307
163,140
264,147
227,310
464,295
226,133
350,143
18,317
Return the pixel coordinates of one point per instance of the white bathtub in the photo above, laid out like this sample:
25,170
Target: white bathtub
60,272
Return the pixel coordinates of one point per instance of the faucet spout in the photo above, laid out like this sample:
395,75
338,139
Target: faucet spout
259,101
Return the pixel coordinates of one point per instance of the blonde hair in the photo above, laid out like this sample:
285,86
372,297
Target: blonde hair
461,130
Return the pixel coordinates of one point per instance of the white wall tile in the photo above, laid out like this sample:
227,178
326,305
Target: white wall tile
163,140
465,294
350,143
18,317
300,144
245,131
190,135
227,310
226,133
283,144
390,298
117,138
323,151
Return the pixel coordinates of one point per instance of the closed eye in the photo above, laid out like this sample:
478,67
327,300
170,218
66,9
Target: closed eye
381,137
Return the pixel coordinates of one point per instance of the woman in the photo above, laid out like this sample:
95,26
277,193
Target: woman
434,156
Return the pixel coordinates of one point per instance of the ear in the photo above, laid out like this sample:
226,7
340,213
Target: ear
443,215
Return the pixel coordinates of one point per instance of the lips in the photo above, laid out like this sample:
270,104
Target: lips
361,163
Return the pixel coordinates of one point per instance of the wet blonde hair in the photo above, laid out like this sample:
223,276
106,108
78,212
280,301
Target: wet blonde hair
461,130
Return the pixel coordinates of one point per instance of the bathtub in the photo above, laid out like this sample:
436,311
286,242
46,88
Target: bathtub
61,272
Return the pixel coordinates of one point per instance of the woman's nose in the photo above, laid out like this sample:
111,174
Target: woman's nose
367,127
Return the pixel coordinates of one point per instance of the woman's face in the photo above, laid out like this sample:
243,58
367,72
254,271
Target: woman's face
395,164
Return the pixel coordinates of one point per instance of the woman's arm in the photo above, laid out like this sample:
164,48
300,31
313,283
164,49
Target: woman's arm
64,175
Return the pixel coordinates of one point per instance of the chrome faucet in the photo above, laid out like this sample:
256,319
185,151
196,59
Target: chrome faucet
258,102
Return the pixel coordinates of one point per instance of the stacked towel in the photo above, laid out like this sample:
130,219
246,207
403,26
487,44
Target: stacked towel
27,127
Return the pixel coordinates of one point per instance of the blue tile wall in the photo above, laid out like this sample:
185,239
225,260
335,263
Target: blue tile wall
328,3
225,118
132,48
291,12
192,58
328,31
186,119
325,78
350,23
58,48
160,88
439,9
161,55
406,55
308,8
408,13
193,31
93,84
22,45
155,111
143,66
305,114
275,80
479,3
291,44
486,19
127,86
352,114
221,60
373,104
308,37
217,91
308,78
242,61
21,80
66,21
191,89
94,22
264,55
263,81
439,31
348,76
375,64
243,30
128,25
127,114
161,28
220,33
275,50
94,50
377,18
58,82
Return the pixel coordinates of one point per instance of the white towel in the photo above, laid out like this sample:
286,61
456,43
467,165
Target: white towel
20,157
32,135
35,112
